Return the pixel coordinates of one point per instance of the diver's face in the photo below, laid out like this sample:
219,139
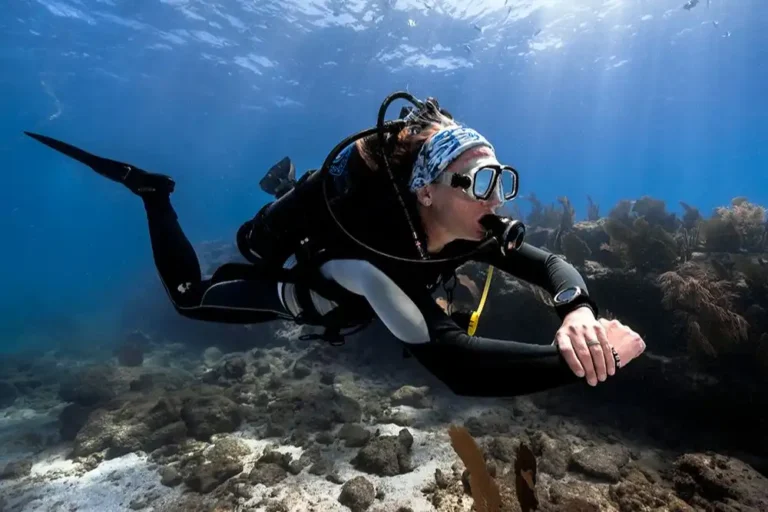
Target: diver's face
459,212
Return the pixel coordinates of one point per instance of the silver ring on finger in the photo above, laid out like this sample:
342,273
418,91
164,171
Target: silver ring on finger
592,343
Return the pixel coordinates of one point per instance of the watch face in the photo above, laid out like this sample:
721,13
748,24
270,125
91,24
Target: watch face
567,296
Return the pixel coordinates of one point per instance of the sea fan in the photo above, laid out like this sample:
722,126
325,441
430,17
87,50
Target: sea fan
484,489
705,304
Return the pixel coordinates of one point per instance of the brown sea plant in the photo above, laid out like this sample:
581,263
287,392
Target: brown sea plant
704,303
485,490
639,234
543,216
593,210
688,235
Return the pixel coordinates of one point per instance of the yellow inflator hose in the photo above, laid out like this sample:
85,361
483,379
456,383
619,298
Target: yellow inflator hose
476,314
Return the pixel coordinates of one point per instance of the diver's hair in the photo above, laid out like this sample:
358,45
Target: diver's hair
401,149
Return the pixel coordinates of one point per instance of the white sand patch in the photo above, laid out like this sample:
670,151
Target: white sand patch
305,491
22,428
58,484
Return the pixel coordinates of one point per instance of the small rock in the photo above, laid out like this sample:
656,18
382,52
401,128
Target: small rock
90,386
489,423
262,368
324,438
639,494
301,370
386,455
399,418
321,467
8,394
169,476
346,409
357,494
143,383
354,436
228,448
503,448
411,396
16,469
274,457
138,504
130,354
233,368
211,356
71,420
268,474
709,480
601,462
208,415
327,378
405,438
242,490
295,467
441,480
577,497
206,477
553,455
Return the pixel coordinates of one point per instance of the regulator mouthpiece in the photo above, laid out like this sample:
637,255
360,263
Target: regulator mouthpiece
509,233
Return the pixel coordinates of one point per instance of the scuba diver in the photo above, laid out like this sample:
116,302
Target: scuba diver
390,215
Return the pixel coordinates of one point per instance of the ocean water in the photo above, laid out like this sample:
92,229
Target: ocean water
611,99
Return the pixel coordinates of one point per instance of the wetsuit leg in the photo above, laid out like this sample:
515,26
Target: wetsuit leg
227,299
229,296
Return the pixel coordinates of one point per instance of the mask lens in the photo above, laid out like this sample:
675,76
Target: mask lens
483,182
508,182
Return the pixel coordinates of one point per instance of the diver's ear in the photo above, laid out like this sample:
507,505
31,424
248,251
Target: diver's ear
424,195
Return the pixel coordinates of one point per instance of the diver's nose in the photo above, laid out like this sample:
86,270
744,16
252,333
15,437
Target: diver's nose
494,202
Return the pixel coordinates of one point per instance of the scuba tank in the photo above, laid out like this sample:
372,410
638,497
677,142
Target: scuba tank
280,226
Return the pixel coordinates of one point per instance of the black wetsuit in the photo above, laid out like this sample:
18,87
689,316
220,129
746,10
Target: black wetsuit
243,293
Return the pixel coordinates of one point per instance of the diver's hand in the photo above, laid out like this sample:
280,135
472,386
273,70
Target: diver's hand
627,343
585,346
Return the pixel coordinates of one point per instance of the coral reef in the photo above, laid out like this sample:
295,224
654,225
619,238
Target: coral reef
740,227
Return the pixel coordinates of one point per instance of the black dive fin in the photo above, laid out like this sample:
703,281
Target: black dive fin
137,180
280,178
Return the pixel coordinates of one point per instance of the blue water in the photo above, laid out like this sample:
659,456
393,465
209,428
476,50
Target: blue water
613,99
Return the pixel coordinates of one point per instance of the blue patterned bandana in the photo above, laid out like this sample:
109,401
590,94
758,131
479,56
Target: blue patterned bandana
442,149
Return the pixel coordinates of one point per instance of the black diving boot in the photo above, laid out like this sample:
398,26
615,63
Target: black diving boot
138,181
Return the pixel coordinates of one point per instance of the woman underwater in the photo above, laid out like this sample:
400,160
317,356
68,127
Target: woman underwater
390,216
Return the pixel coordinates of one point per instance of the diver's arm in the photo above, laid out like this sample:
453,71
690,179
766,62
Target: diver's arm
495,367
542,269
478,366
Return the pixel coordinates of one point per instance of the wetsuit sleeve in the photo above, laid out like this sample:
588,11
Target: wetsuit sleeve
477,366
542,269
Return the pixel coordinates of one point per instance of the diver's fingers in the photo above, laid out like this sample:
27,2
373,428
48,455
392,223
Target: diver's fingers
602,337
565,347
598,353
583,352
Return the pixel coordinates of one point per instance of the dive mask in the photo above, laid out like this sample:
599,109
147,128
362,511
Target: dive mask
483,181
